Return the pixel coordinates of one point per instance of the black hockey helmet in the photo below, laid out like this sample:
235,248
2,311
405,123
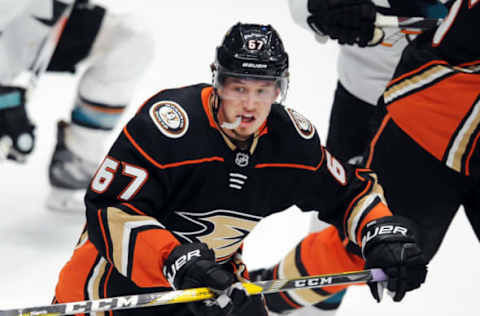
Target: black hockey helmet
252,51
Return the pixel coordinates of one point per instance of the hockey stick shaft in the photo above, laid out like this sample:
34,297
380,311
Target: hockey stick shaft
197,294
387,21
46,51
390,21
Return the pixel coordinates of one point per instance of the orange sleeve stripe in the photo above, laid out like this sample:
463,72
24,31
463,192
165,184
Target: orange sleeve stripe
349,208
411,32
75,274
324,253
358,170
133,208
469,156
471,63
170,165
152,248
289,301
408,74
378,211
386,119
104,234
105,293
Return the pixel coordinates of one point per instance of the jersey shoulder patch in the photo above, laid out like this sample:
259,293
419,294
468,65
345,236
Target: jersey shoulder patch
301,123
170,118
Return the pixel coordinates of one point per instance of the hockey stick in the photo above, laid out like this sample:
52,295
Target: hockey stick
390,21
45,52
386,21
28,79
197,294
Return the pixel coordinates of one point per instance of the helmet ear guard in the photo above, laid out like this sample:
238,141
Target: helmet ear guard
252,52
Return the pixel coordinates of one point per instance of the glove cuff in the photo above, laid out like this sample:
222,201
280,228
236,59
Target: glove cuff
387,229
11,97
182,258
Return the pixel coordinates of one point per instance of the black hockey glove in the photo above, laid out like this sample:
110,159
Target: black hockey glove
348,21
389,243
16,131
193,265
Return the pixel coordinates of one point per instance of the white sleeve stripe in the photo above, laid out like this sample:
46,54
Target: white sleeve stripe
128,227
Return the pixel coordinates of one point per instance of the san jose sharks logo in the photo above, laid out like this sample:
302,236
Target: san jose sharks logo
222,230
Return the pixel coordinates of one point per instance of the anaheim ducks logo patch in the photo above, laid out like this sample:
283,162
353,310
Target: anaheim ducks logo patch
222,230
170,118
301,123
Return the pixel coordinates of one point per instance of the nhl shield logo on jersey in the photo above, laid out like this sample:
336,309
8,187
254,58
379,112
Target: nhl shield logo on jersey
170,118
242,159
301,123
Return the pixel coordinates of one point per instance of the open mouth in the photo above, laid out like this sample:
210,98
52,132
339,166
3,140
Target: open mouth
247,118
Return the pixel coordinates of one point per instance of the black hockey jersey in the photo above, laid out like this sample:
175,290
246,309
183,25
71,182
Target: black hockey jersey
173,177
434,96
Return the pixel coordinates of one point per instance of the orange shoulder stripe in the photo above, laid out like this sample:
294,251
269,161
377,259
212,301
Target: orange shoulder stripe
206,93
288,165
170,165
292,165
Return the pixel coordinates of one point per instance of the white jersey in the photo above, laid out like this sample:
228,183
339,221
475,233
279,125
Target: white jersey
373,67
24,27
364,72
108,76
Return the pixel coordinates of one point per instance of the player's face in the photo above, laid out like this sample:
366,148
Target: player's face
249,100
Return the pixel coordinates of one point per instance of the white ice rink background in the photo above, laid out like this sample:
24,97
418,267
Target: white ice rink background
35,242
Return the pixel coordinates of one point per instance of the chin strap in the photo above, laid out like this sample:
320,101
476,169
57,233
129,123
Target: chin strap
233,125
216,106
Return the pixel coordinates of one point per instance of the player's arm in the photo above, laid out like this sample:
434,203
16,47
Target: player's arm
124,210
353,200
453,40
17,137
125,207
348,21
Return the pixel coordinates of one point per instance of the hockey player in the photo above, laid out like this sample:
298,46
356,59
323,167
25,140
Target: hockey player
429,111
105,42
364,70
194,171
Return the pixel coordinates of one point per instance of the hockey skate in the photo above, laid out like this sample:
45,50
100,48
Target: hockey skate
69,176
